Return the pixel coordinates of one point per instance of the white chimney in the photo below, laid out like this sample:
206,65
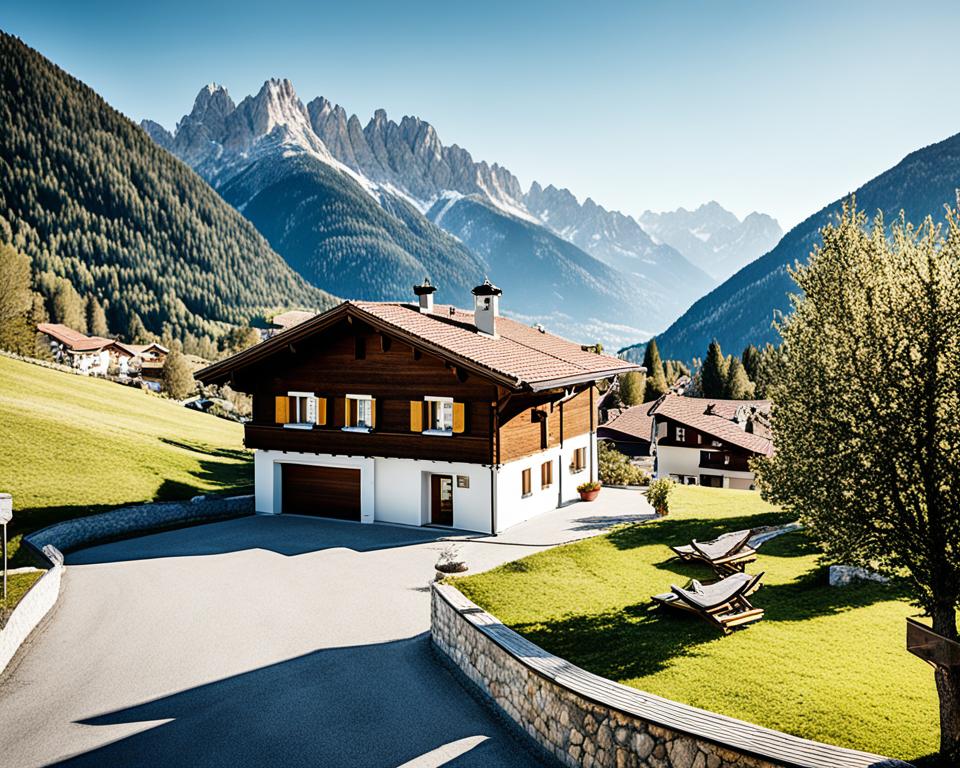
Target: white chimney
486,307
425,292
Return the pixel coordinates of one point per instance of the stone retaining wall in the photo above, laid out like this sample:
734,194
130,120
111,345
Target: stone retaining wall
585,720
83,531
31,609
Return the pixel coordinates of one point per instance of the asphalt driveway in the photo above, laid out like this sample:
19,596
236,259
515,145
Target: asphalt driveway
281,641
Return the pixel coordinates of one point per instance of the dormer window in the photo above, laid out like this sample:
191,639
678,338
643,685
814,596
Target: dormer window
360,413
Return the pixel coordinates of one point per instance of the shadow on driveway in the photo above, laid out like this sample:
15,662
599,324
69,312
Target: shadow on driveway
387,704
284,534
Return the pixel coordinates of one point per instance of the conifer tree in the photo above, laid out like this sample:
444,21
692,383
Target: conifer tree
632,387
15,294
737,385
751,361
66,306
96,317
656,380
713,375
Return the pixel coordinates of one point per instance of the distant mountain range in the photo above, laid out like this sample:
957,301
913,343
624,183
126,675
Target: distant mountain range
713,238
741,310
366,210
93,201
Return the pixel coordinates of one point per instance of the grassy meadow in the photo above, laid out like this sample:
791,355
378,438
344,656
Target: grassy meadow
826,663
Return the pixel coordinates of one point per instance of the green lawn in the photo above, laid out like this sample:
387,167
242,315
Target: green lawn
70,446
825,663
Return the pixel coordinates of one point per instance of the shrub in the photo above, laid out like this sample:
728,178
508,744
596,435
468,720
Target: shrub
658,494
616,469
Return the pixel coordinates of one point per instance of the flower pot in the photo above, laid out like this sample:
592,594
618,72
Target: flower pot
589,495
448,568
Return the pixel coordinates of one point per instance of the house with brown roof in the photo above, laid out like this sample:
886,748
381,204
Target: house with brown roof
630,431
703,441
88,354
419,414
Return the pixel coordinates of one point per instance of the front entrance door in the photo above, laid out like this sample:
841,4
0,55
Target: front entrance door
441,499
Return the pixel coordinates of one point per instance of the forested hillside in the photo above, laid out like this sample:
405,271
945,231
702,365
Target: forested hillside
92,200
741,310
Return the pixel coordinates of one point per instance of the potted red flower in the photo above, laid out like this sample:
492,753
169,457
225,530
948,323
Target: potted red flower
589,490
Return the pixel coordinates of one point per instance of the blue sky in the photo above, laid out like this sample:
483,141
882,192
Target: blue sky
778,107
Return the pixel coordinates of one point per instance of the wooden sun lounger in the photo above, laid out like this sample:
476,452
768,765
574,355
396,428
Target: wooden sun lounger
727,554
723,604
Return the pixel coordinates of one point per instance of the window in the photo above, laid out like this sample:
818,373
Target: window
546,474
726,458
681,434
360,348
525,477
441,413
579,461
437,416
360,413
301,410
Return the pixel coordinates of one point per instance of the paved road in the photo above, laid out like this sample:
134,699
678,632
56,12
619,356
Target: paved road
281,641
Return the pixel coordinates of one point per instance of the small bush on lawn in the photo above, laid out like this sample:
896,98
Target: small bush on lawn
616,469
658,494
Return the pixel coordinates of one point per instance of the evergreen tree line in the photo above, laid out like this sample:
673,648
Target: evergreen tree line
119,234
660,375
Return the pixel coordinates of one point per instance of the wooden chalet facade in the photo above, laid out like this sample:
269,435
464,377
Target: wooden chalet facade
419,414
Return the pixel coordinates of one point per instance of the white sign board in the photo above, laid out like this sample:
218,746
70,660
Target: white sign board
6,508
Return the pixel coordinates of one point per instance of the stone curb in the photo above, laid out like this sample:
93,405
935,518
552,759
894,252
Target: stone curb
31,609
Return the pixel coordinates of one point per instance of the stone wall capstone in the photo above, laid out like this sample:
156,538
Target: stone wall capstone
583,720
31,609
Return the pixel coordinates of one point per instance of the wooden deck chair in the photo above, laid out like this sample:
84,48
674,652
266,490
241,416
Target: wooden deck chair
723,604
727,554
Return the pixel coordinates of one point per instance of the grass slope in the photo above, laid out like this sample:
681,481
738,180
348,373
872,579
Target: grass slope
825,663
71,446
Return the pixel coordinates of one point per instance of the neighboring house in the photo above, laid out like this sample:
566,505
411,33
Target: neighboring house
700,441
145,359
419,414
630,430
88,354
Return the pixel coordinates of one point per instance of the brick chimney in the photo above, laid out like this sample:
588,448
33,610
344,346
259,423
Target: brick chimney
486,307
424,293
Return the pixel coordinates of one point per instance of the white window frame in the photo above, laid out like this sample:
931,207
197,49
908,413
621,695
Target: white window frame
433,429
311,407
681,434
361,398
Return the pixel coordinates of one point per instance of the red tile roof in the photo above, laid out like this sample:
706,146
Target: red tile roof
636,422
78,342
716,418
519,356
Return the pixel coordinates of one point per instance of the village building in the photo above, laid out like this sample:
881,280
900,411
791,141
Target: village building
419,414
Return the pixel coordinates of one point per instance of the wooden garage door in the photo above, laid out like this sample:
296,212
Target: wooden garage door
321,491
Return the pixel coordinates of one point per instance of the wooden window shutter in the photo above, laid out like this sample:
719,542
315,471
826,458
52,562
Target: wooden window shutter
347,421
282,409
373,413
416,416
459,418
321,410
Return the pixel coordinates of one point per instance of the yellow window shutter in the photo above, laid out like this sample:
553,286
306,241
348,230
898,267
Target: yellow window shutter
282,409
347,412
458,418
416,416
321,410
373,413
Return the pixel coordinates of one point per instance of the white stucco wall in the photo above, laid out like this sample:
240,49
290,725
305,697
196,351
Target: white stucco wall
403,492
673,460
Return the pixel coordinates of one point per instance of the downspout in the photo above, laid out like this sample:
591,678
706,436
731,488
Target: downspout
593,475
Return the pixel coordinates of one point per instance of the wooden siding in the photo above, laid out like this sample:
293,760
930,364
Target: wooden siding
389,371
530,423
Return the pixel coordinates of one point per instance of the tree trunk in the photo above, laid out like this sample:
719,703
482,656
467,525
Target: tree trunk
948,688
